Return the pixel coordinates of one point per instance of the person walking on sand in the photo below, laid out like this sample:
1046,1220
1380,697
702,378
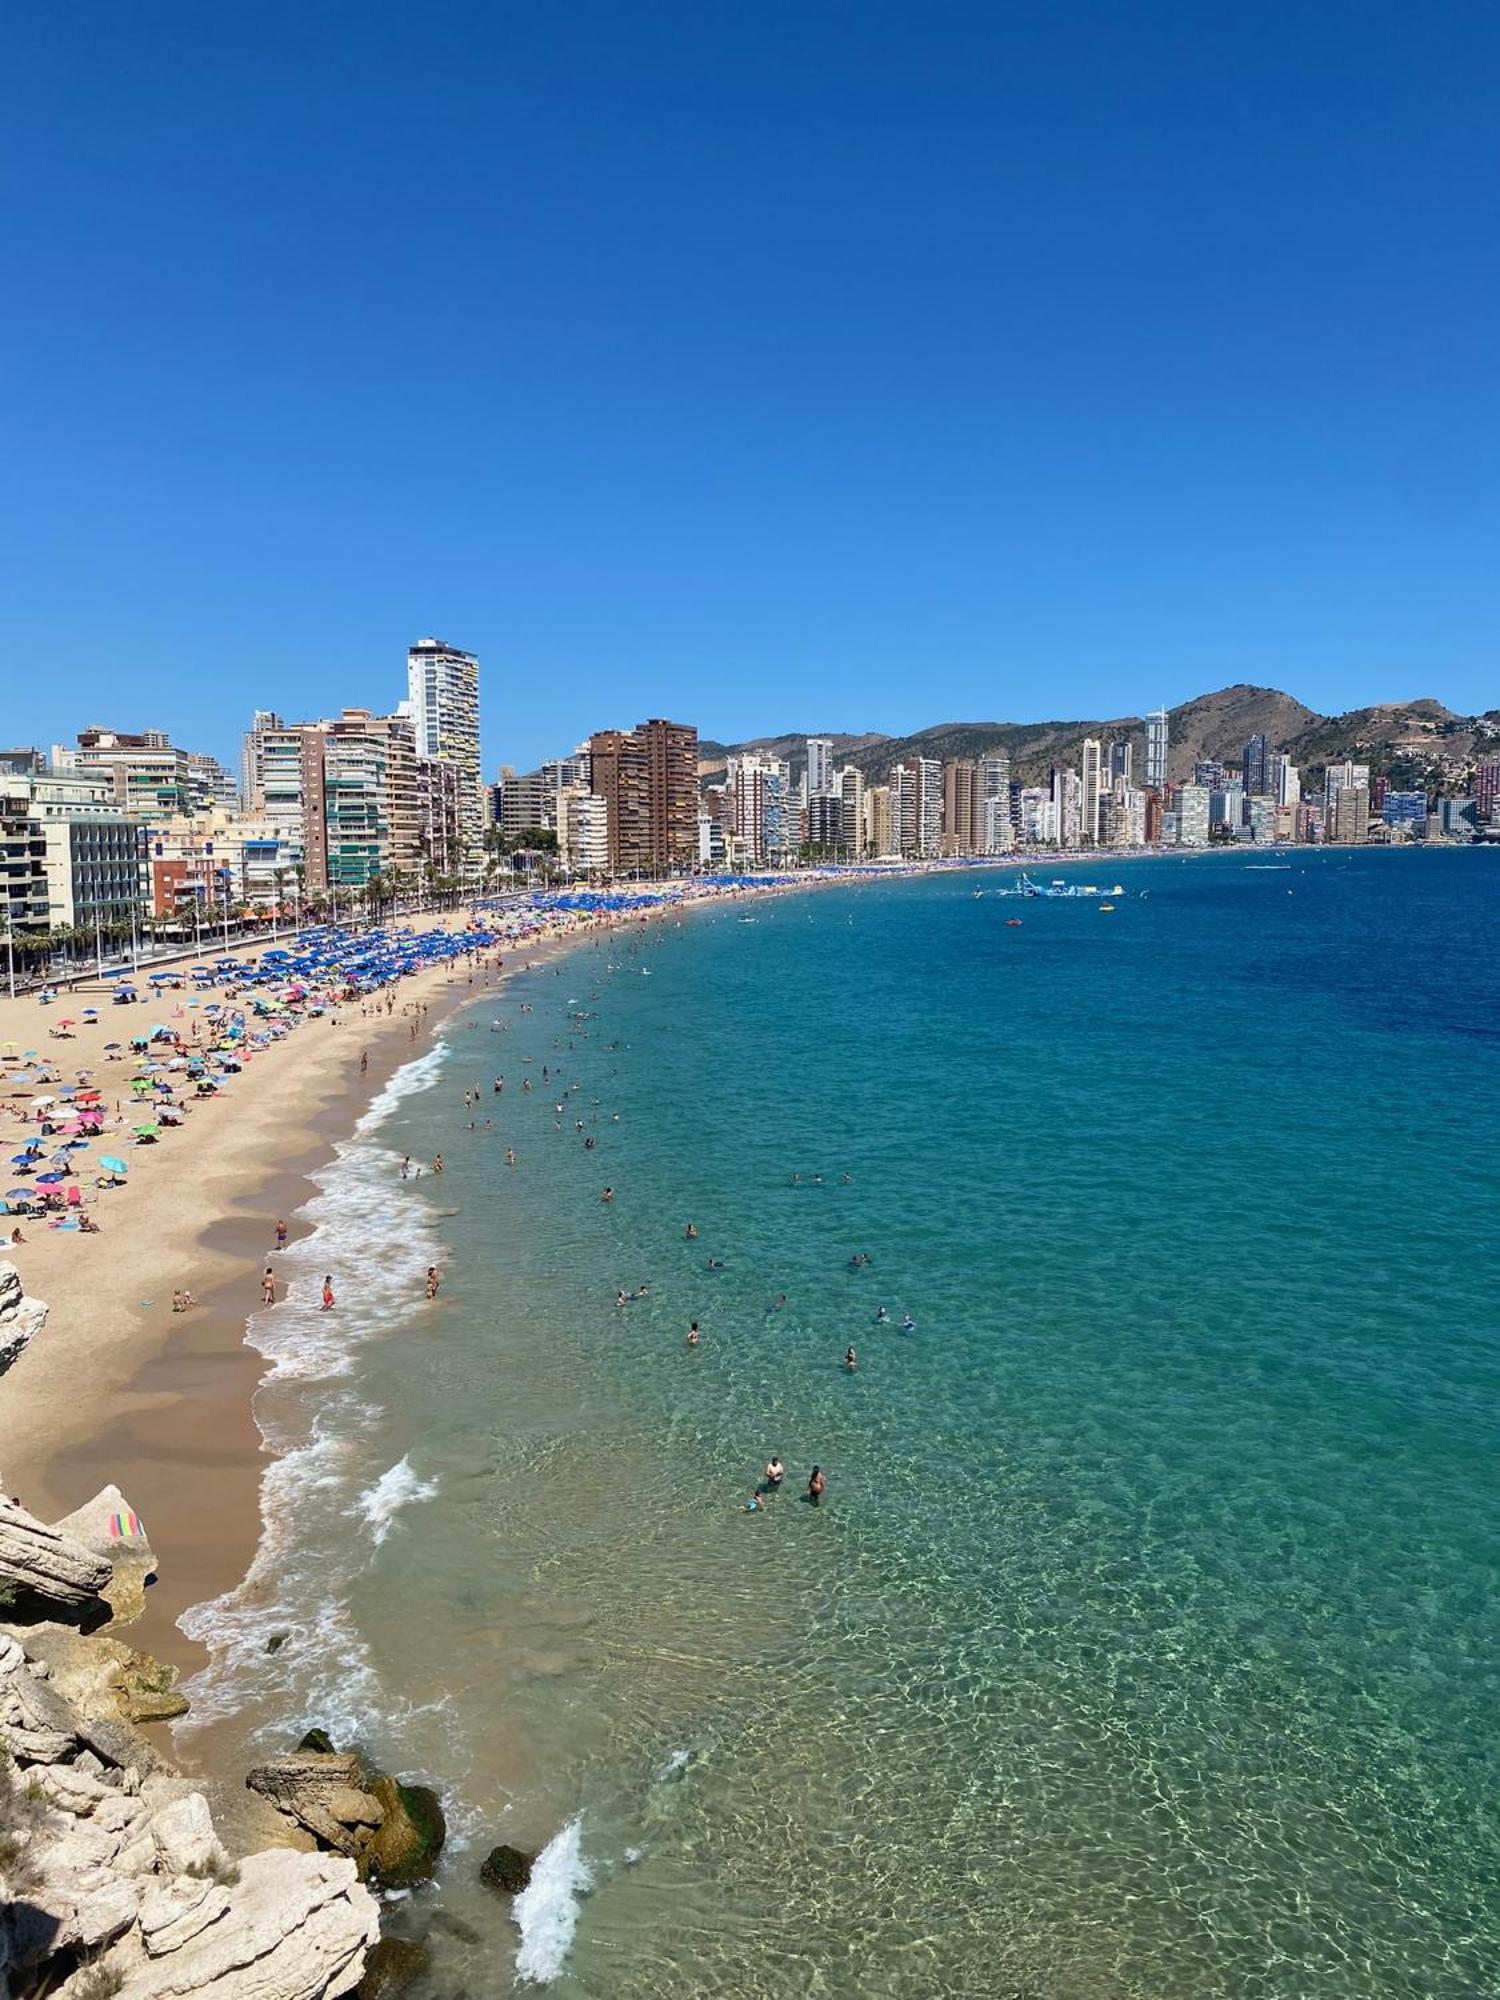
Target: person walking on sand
364,1061
268,1287
433,1281
327,1304
280,1234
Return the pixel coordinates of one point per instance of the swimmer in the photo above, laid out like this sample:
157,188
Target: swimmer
851,1359
693,1335
908,1324
716,1263
881,1315
621,1300
608,1194
642,1292
817,1485
691,1232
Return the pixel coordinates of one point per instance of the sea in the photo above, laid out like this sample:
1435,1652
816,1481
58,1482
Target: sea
1145,1643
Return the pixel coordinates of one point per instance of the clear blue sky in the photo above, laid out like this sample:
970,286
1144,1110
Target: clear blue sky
764,365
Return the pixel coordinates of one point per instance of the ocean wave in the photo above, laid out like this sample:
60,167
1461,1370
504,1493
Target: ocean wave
407,1081
546,1911
315,1428
381,1503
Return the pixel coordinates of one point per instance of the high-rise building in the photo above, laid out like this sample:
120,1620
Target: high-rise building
70,855
1156,749
992,803
262,721
1337,778
1349,821
1404,809
583,831
960,798
825,822
671,792
1092,791
1284,781
1487,791
879,838
1067,806
1210,772
1119,760
149,777
851,790
1192,816
1255,766
905,818
443,696
819,766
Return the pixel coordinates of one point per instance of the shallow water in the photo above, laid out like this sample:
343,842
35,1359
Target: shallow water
1145,1642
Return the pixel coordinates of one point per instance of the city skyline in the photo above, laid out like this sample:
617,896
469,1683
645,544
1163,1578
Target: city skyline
770,363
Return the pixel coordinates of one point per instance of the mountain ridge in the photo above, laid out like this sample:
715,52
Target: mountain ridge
1419,743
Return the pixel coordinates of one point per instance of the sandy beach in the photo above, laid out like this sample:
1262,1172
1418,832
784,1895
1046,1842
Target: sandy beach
119,1388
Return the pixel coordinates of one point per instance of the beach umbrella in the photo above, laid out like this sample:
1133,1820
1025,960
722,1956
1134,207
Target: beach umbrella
110,1047
146,1131
49,1180
18,1194
9,1048
112,1165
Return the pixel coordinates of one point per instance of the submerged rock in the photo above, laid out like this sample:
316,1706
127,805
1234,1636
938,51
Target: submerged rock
392,1965
507,1868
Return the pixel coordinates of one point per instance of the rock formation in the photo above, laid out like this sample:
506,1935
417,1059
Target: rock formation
21,1319
114,1880
393,1832
45,1566
110,1527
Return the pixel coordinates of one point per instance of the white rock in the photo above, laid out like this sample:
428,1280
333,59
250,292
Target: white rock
297,1928
185,1837
21,1319
36,1558
173,1915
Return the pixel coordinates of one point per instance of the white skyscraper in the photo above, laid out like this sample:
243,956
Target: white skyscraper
819,767
443,695
1092,791
1156,749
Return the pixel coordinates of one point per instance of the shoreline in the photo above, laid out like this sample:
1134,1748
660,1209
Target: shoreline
165,1408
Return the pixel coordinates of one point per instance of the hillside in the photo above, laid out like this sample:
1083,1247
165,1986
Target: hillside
1418,742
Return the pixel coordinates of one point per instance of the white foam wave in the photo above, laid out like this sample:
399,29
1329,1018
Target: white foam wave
381,1503
314,1427
546,1910
410,1078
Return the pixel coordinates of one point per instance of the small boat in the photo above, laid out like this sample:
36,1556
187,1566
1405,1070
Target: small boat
1103,907
1012,923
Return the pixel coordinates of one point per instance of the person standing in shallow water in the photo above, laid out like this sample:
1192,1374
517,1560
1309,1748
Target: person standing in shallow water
327,1293
816,1485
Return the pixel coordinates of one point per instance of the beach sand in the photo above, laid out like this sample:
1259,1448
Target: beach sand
117,1387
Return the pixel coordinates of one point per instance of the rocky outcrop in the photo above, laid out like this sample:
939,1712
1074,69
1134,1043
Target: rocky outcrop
111,1880
44,1567
109,1526
507,1868
21,1318
393,1832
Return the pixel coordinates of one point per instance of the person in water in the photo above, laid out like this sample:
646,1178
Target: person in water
908,1324
881,1315
693,1335
851,1359
775,1473
608,1194
280,1235
691,1232
268,1287
327,1293
816,1485
433,1281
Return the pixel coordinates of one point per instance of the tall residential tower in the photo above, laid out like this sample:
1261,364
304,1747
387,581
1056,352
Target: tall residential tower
443,695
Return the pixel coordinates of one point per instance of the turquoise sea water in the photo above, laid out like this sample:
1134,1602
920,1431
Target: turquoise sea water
1145,1646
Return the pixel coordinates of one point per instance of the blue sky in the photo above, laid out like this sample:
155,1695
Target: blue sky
765,365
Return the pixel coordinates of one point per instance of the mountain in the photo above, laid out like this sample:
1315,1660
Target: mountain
1417,743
